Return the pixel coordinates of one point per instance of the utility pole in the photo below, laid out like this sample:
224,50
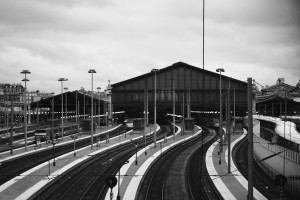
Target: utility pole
250,141
228,127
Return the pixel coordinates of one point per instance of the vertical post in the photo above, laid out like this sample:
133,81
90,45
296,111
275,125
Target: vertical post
221,120
62,107
66,105
92,115
11,126
136,146
92,71
250,141
280,108
183,113
155,109
147,106
189,103
52,124
83,105
99,103
155,71
285,115
266,109
173,83
145,117
62,112
76,109
37,114
233,111
78,104
25,115
228,127
118,196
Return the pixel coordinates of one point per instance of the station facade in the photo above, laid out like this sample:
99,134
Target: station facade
279,99
196,90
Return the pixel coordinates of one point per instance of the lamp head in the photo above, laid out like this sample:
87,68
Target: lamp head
62,79
25,79
220,70
25,71
154,70
92,71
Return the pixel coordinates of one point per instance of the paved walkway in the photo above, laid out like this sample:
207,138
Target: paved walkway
230,185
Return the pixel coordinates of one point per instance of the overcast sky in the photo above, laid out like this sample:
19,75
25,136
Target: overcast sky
123,39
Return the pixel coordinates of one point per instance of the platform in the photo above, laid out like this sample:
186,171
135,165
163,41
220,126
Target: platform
23,186
230,185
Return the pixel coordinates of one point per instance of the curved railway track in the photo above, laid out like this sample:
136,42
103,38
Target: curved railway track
155,183
261,180
14,167
207,188
87,180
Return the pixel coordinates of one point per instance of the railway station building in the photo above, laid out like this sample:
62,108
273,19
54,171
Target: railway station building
279,99
196,90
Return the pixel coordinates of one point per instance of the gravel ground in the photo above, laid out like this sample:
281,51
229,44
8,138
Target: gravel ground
176,184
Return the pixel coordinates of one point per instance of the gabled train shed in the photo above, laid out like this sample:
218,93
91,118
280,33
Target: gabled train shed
75,103
196,90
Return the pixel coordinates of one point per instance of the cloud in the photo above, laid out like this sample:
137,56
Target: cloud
124,39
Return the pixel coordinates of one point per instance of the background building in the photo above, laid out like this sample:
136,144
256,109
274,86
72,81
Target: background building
274,100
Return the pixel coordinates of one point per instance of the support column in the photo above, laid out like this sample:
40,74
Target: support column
250,141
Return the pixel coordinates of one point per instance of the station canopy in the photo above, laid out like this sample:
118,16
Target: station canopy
69,99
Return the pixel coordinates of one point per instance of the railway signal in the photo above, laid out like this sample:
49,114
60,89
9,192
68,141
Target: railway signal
111,182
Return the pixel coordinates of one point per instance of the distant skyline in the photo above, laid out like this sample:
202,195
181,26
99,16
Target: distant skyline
124,39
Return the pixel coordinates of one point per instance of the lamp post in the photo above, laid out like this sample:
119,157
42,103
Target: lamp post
154,71
37,113
66,104
234,88
173,98
62,106
220,70
25,72
99,88
92,71
84,105
52,124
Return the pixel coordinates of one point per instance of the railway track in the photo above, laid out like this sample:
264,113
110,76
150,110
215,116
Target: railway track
157,182
197,168
262,181
14,167
87,180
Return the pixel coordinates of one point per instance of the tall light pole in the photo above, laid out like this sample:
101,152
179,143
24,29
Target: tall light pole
173,98
52,125
25,72
228,125
234,88
154,71
99,88
37,113
62,106
250,139
92,71
220,70
66,104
